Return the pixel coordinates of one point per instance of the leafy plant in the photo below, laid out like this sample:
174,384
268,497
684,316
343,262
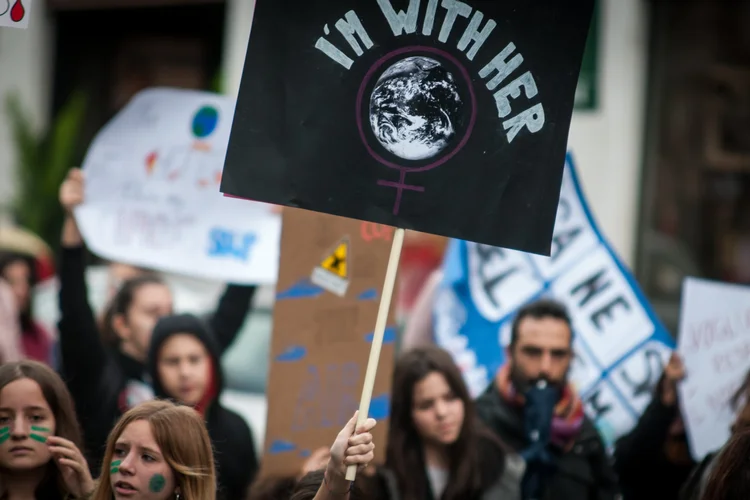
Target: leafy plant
42,162
217,83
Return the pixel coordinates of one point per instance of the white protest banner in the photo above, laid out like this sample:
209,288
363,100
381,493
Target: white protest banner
14,13
619,343
714,344
152,192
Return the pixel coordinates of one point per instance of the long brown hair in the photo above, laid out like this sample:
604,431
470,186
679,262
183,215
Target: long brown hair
183,439
405,456
60,403
730,477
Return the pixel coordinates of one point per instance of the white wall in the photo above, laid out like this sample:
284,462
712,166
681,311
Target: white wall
26,68
239,19
608,143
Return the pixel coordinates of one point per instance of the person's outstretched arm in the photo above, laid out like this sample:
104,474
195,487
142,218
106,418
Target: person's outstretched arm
231,312
82,351
645,442
349,448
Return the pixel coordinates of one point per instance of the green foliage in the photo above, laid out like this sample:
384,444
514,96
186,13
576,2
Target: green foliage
42,162
217,83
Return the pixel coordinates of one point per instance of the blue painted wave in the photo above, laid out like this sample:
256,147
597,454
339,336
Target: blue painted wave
389,336
280,446
370,294
292,353
380,407
303,289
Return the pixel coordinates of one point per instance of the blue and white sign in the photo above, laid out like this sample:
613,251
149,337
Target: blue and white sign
152,192
620,344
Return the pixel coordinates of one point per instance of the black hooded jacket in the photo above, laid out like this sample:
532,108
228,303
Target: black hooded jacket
103,381
234,448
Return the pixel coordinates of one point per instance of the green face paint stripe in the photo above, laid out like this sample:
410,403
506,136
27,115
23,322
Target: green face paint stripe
37,437
4,437
114,470
115,463
157,483
40,429
4,430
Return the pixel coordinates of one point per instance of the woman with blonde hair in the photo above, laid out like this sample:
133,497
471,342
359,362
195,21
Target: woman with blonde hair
158,451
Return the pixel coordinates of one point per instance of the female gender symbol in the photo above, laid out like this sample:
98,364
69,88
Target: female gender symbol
400,186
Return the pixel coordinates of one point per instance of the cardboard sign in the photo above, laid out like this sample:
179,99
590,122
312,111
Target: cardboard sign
714,344
620,344
152,197
448,117
14,13
327,299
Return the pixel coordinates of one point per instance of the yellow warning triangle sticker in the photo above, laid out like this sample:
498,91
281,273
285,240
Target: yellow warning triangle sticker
336,262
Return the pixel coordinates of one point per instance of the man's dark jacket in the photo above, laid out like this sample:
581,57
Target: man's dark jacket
583,473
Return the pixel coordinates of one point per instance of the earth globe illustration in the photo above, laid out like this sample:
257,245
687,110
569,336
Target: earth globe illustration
205,121
415,108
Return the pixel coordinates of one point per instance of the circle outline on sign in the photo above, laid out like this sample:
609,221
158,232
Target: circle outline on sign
360,97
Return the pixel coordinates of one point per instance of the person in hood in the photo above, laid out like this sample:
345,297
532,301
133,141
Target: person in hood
184,363
104,366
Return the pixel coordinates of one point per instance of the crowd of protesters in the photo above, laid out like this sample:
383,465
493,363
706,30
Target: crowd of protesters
127,405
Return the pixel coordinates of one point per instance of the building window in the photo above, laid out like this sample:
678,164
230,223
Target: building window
695,217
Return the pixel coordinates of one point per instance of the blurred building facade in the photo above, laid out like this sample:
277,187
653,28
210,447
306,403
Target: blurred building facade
662,174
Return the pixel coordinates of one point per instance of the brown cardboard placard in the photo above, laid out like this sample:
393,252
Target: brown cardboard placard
327,298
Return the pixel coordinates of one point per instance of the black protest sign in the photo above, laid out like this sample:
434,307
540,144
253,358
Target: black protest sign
443,116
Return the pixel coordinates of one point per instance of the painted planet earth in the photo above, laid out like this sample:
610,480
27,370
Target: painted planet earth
415,108
205,121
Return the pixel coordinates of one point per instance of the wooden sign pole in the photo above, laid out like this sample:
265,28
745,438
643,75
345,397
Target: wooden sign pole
377,340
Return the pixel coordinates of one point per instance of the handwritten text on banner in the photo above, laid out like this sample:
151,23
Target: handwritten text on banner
620,346
715,347
152,192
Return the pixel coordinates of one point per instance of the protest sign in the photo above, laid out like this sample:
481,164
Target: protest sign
322,335
14,13
714,343
619,343
445,117
152,192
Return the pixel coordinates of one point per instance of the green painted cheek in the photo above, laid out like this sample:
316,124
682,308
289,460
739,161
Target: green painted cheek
114,467
38,437
35,433
157,483
4,434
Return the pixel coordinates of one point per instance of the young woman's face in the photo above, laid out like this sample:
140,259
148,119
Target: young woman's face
18,276
437,412
138,470
151,302
26,421
184,368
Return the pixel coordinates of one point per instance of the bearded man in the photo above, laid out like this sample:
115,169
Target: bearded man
533,409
